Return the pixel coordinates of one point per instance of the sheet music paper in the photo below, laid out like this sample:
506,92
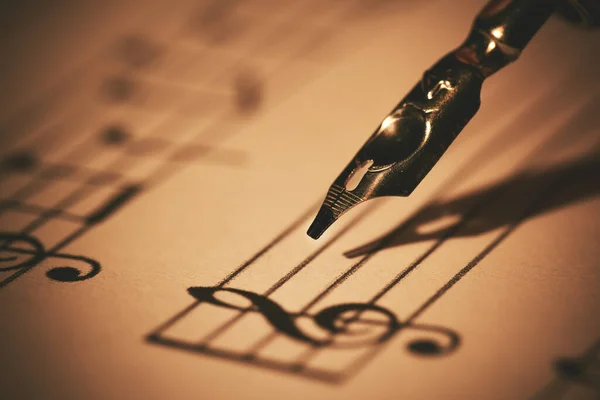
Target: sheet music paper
159,174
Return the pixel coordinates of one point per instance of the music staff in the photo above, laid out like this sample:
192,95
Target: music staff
103,164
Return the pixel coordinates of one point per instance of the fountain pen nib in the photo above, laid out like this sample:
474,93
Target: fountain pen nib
322,221
338,201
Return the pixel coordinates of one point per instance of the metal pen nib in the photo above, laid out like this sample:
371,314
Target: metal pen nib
419,130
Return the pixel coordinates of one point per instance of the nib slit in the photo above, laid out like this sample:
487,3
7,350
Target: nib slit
322,221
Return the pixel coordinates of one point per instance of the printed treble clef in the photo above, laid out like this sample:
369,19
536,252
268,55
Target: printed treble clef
343,320
20,252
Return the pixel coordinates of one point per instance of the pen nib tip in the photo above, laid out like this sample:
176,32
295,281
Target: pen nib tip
322,221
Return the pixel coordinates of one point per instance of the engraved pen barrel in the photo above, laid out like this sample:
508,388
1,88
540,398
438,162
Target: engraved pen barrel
501,31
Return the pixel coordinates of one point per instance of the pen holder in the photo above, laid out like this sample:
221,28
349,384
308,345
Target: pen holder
585,13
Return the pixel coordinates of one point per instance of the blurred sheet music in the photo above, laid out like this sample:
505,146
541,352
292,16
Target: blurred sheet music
159,174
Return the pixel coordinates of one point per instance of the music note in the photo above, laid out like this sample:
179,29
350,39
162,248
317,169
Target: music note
249,91
137,51
114,135
118,89
18,162
217,21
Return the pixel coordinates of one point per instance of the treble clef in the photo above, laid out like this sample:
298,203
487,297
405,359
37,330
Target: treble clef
339,321
19,252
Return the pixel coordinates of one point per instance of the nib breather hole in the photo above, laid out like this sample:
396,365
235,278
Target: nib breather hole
357,175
